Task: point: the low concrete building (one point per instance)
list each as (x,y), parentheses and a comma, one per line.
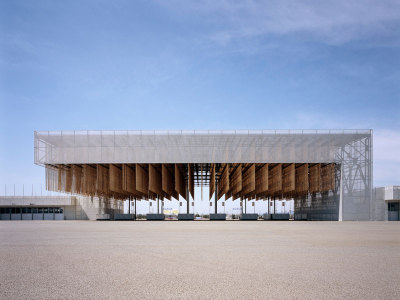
(387,203)
(56,207)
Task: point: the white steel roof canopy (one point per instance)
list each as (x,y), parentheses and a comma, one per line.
(199,146)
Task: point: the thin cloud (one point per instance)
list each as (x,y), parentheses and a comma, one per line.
(333,22)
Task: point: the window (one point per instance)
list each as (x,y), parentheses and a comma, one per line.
(26,210)
(58,210)
(40,210)
(34,210)
(393,206)
(45,210)
(16,210)
(51,210)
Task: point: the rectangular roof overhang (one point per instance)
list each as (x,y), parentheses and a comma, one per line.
(255,146)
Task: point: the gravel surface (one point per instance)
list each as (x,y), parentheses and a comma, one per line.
(201,259)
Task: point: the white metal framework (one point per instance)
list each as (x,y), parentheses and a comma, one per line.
(351,150)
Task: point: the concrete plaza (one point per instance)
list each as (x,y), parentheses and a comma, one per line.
(201,259)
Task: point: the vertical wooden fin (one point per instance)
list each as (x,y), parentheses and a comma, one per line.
(89,180)
(103,185)
(142,180)
(275,180)
(191,180)
(223,183)
(168,181)
(315,178)
(328,178)
(115,175)
(288,179)
(68,183)
(302,179)
(76,179)
(180,185)
(129,180)
(236,182)
(155,182)
(212,180)
(262,180)
(249,180)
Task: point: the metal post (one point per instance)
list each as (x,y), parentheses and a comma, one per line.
(187,199)
(187,192)
(201,172)
(216,196)
(135,207)
(268,204)
(245,205)
(129,202)
(158,205)
(274,205)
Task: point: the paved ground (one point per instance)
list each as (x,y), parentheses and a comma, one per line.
(87,259)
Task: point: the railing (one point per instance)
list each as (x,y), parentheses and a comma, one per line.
(204,132)
(27,190)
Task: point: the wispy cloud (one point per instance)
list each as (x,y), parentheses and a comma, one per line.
(333,22)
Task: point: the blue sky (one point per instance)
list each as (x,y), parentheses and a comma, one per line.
(197,65)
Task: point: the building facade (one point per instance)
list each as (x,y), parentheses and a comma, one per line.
(55,207)
(387,203)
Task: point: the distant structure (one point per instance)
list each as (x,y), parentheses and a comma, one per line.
(55,207)
(328,173)
(387,203)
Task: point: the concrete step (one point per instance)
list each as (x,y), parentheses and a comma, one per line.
(249,217)
(280,217)
(267,217)
(155,217)
(217,217)
(124,217)
(186,217)
(103,217)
